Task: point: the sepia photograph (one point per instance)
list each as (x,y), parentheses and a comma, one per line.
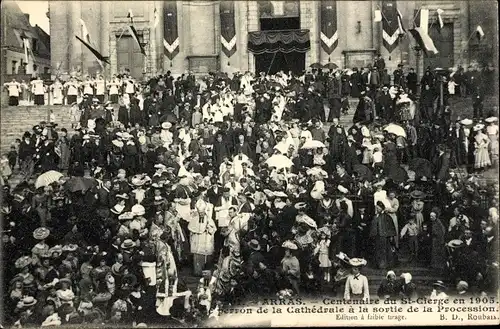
(324,163)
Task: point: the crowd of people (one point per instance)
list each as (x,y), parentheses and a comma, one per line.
(236,181)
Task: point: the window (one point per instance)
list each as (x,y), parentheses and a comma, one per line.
(14,67)
(46,70)
(35,68)
(34,46)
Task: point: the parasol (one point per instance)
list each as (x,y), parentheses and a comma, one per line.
(395,129)
(75,184)
(330,66)
(348,72)
(47,178)
(421,167)
(315,66)
(316,171)
(279,161)
(363,172)
(312,144)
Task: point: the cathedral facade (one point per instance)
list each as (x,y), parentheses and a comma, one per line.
(265,36)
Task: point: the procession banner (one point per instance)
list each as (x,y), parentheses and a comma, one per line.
(329,35)
(170,29)
(390,25)
(228,29)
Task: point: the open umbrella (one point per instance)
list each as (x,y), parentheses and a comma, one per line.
(330,66)
(315,66)
(75,184)
(421,167)
(312,144)
(48,178)
(279,161)
(398,174)
(395,129)
(363,172)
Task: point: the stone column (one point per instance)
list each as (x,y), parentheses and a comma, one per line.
(75,28)
(252,26)
(306,22)
(105,34)
(241,21)
(60,14)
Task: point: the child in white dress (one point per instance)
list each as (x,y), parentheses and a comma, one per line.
(322,249)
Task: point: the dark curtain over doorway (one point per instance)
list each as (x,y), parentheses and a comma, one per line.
(263,42)
(279,61)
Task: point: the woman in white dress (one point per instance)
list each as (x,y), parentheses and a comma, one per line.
(492,131)
(481,143)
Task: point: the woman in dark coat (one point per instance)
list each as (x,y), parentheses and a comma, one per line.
(219,151)
(356,84)
(130,157)
(136,114)
(438,232)
(383,231)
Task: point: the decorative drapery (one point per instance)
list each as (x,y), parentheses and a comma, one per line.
(262,42)
(170,29)
(228,29)
(390,25)
(328,35)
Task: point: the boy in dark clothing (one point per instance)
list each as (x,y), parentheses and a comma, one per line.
(12,156)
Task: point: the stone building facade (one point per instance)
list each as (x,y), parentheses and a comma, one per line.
(199,31)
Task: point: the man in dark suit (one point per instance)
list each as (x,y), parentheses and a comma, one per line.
(385,105)
(399,78)
(456,142)
(242,147)
(411,81)
(350,155)
(442,167)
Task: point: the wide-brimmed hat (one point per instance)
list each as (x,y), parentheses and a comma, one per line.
(127,244)
(23,261)
(126,216)
(28,301)
(166,125)
(66,280)
(456,243)
(300,205)
(466,122)
(325,230)
(416,194)
(478,127)
(70,247)
(357,262)
(280,194)
(57,248)
(138,210)
(41,233)
(254,245)
(491,119)
(117,209)
(289,245)
(122,196)
(439,284)
(307,220)
(137,180)
(342,189)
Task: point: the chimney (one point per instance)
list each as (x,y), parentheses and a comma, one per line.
(27,17)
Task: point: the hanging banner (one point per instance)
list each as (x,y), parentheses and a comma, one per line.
(170,29)
(228,29)
(390,25)
(329,35)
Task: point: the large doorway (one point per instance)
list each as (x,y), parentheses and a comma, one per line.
(280,61)
(129,56)
(443,40)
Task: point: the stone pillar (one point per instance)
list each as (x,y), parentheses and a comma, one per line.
(105,32)
(306,22)
(241,9)
(74,28)
(60,11)
(252,26)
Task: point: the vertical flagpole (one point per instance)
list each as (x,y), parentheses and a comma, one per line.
(81,55)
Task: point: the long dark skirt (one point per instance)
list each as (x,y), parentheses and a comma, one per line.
(39,100)
(13,101)
(383,252)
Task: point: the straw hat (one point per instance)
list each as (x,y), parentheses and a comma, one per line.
(307,220)
(456,243)
(138,210)
(342,189)
(127,244)
(137,180)
(280,194)
(325,230)
(357,262)
(466,122)
(491,119)
(289,245)
(254,245)
(439,284)
(41,233)
(300,206)
(57,248)
(23,261)
(478,127)
(417,194)
(166,125)
(126,216)
(117,209)
(28,301)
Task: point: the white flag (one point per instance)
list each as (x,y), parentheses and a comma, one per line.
(26,44)
(440,18)
(378,16)
(424,20)
(85,32)
(130,14)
